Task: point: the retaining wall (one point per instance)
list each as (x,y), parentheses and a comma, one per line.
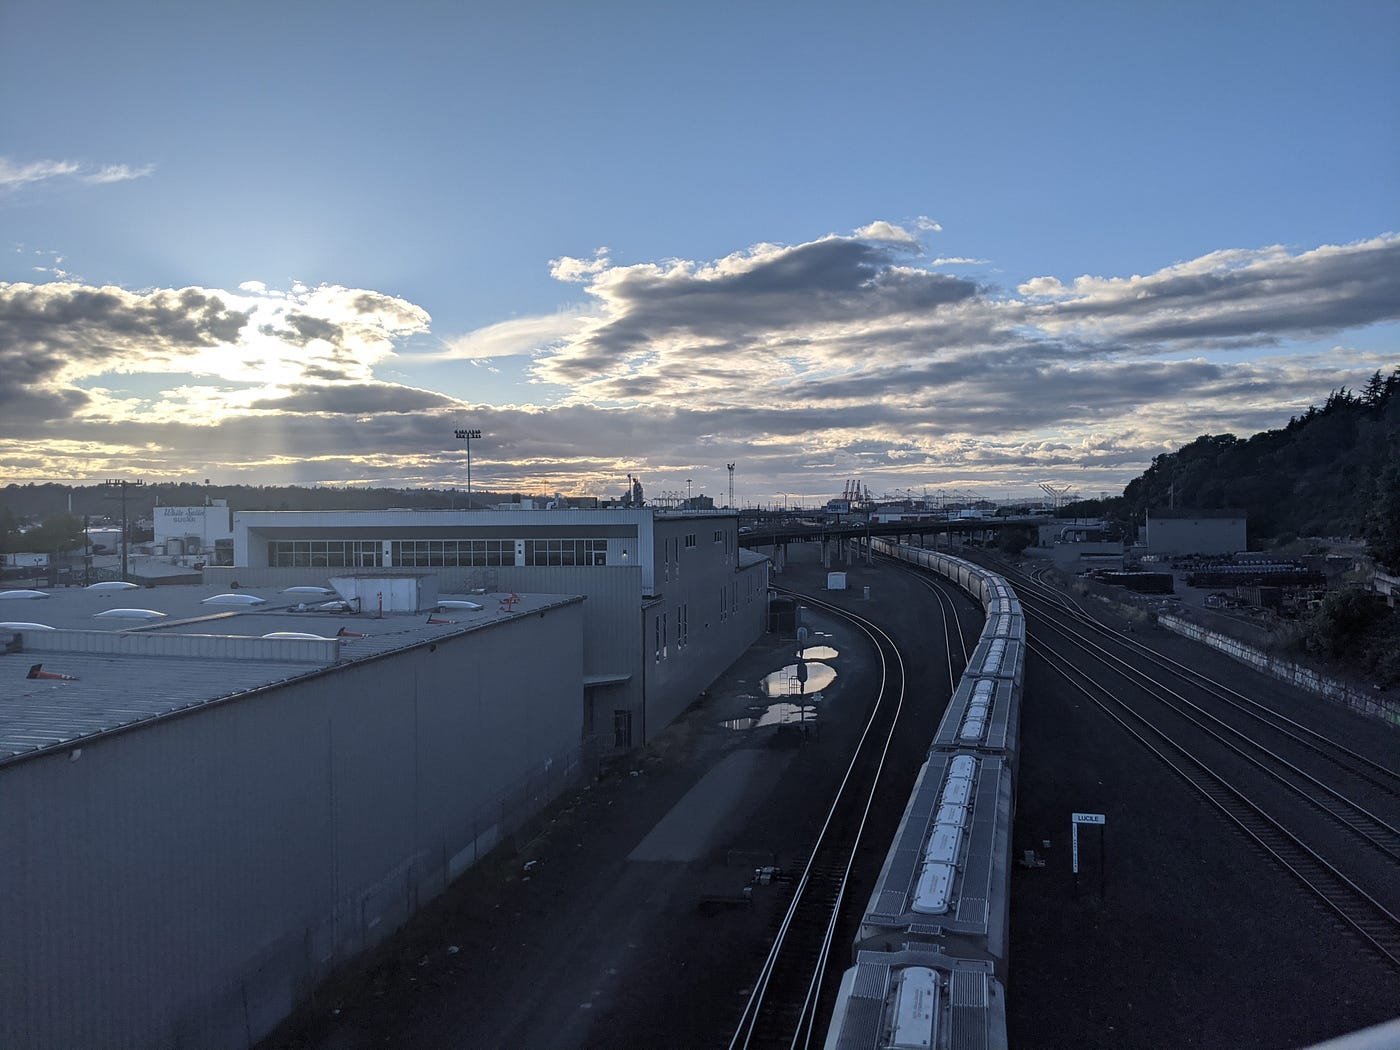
(1374,704)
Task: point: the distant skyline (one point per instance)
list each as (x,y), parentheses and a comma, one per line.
(929,246)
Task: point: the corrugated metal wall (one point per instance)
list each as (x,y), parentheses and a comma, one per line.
(185,883)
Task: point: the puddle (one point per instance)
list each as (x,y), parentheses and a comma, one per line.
(775,715)
(780,683)
(817,652)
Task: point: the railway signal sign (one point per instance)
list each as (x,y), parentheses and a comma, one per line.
(1077,819)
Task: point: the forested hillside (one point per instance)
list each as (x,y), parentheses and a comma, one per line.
(1333,471)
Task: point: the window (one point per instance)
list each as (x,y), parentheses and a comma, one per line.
(566,552)
(660,637)
(682,625)
(690,539)
(719,535)
(723,605)
(331,554)
(451,553)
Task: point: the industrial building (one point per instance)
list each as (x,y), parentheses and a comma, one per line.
(672,599)
(1178,531)
(208,801)
(206,531)
(210,796)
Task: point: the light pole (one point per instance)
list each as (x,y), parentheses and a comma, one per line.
(687,495)
(123,485)
(467,436)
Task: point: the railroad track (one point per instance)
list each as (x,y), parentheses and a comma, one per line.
(1372,829)
(1358,909)
(783,1007)
(1222,732)
(1039,598)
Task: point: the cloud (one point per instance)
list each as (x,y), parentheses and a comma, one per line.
(524,335)
(14,174)
(567,268)
(117,173)
(353,399)
(887,232)
(1250,297)
(48,330)
(781,312)
(53,336)
(845,356)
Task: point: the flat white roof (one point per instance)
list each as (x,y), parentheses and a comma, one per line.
(118,672)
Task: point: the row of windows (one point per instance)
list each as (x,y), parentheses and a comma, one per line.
(342,554)
(566,552)
(432,553)
(332,554)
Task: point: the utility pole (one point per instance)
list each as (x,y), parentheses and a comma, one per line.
(468,436)
(123,485)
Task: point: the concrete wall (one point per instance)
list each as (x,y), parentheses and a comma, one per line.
(1387,710)
(183,884)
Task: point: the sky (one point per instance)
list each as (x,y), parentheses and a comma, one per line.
(936,247)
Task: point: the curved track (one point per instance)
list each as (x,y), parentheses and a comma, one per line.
(783,1007)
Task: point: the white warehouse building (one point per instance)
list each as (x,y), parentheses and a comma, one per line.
(208,800)
(671,597)
(207,803)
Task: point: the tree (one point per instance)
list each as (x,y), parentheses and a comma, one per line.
(9,531)
(1013,541)
(60,533)
(1341,628)
(1383,521)
(1375,390)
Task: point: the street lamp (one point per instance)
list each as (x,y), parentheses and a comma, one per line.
(467,436)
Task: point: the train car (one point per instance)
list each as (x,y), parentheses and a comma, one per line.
(982,584)
(998,656)
(918,997)
(983,715)
(934,936)
(945,881)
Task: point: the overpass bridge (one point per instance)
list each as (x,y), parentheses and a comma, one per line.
(977,530)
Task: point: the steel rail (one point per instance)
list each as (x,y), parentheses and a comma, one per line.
(1358,765)
(1372,920)
(1356,818)
(826,873)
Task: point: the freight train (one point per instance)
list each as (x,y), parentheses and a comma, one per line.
(931,951)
